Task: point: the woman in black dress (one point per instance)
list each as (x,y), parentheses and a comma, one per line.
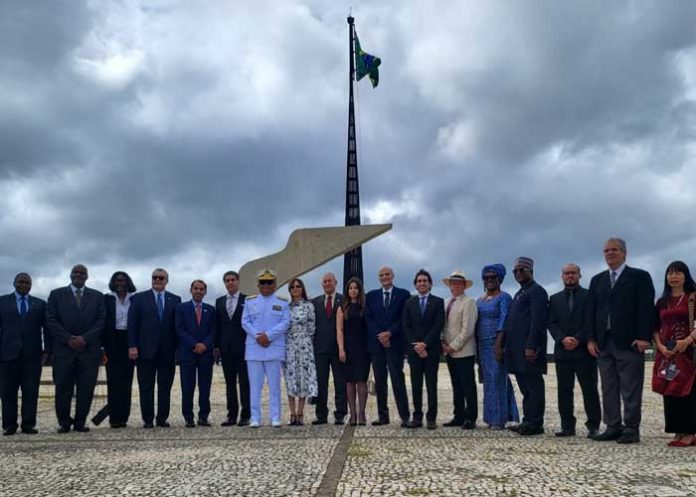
(351,335)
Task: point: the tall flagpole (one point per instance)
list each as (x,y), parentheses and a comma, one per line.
(352,262)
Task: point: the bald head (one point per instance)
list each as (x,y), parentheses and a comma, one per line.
(386,277)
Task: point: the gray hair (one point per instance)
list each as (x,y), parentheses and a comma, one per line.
(620,241)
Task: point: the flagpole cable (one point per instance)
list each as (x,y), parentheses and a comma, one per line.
(359,141)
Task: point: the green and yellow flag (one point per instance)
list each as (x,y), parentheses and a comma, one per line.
(366,64)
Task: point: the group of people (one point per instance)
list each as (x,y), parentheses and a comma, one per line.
(602,331)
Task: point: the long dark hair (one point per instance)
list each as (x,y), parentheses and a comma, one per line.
(304,291)
(130,287)
(689,283)
(361,296)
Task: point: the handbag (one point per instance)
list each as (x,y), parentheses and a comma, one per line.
(371,387)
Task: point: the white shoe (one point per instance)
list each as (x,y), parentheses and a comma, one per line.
(275,424)
(254,424)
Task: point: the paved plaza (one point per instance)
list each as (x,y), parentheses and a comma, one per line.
(339,460)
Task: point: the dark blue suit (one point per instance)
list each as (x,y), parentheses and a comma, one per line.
(155,340)
(20,358)
(190,332)
(391,358)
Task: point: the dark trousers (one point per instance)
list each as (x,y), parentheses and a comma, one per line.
(74,373)
(464,394)
(324,363)
(585,369)
(533,397)
(119,376)
(158,370)
(680,413)
(622,373)
(392,361)
(25,374)
(235,369)
(424,368)
(200,368)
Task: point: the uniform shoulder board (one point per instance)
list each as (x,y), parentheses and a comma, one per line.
(282,298)
(251,297)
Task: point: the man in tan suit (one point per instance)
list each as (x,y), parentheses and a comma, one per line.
(459,347)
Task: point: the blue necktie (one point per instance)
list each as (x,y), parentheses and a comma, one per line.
(23,307)
(423,301)
(160,306)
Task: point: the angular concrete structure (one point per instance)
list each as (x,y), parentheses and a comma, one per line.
(307,249)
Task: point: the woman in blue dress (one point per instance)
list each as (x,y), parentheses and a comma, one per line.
(499,405)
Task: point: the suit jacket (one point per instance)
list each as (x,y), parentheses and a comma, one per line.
(460,326)
(231,335)
(563,323)
(22,334)
(426,327)
(379,319)
(325,334)
(630,302)
(64,318)
(190,332)
(525,328)
(145,330)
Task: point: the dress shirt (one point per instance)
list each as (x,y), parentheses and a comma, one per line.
(231,303)
(618,271)
(19,302)
(164,297)
(122,311)
(74,290)
(333,298)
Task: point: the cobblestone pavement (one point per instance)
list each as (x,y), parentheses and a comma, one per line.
(292,461)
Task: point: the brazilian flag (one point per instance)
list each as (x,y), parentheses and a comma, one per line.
(366,64)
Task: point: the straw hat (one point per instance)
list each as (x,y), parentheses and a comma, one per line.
(458,275)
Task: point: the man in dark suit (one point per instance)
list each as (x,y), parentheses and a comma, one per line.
(230,347)
(22,353)
(524,336)
(619,315)
(386,344)
(423,321)
(196,327)
(152,343)
(75,317)
(566,325)
(326,353)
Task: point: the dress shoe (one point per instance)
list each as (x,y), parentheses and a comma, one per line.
(679,443)
(629,437)
(468,425)
(275,424)
(516,428)
(253,424)
(147,426)
(406,424)
(415,424)
(531,430)
(81,428)
(380,422)
(163,424)
(592,432)
(339,422)
(453,422)
(63,429)
(190,424)
(565,433)
(431,425)
(30,430)
(243,422)
(229,422)
(203,422)
(319,422)
(608,435)
(364,422)
(9,432)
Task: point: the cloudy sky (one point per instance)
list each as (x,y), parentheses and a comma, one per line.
(197,135)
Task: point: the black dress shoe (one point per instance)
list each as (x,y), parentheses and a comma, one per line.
(243,422)
(468,425)
(319,422)
(517,428)
(415,424)
(163,424)
(362,423)
(431,425)
(147,426)
(629,437)
(608,435)
(353,423)
(30,430)
(203,422)
(63,429)
(81,428)
(531,430)
(339,422)
(229,422)
(406,424)
(190,424)
(592,432)
(453,422)
(9,432)
(380,422)
(565,433)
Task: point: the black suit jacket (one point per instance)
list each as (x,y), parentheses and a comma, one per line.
(64,318)
(22,334)
(563,323)
(630,302)
(426,328)
(231,335)
(145,330)
(325,334)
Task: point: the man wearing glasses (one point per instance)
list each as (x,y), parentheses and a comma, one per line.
(524,338)
(265,319)
(152,343)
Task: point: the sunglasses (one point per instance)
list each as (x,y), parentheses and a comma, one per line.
(159,278)
(490,278)
(266,282)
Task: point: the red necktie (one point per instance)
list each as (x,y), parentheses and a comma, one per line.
(329,306)
(198,314)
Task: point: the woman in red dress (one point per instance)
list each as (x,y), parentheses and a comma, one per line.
(674,371)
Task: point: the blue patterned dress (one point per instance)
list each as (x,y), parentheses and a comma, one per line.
(300,370)
(499,405)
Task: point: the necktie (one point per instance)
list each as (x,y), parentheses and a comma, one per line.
(423,302)
(230,306)
(160,306)
(199,314)
(386,300)
(612,278)
(571,301)
(329,306)
(449,306)
(78,296)
(23,307)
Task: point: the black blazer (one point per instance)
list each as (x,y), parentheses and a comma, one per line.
(426,328)
(563,323)
(22,334)
(64,318)
(231,335)
(145,330)
(325,334)
(631,303)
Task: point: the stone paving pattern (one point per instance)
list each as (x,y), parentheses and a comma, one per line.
(291,461)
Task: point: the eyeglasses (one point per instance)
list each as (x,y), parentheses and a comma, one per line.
(159,278)
(490,278)
(266,282)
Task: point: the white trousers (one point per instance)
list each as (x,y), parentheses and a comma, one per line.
(258,372)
